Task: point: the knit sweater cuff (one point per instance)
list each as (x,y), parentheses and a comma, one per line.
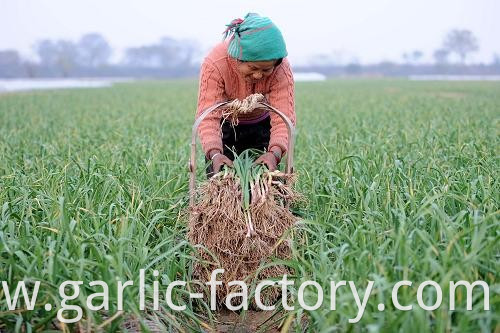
(279,142)
(208,146)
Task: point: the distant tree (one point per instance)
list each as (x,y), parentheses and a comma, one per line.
(407,57)
(151,56)
(59,54)
(177,53)
(496,59)
(10,64)
(168,53)
(68,55)
(93,50)
(441,56)
(30,68)
(413,57)
(353,68)
(194,49)
(461,42)
(47,52)
(9,57)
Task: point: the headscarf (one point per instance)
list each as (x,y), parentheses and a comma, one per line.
(255,38)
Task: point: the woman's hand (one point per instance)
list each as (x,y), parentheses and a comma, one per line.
(271,158)
(218,160)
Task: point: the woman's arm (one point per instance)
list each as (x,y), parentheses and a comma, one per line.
(282,97)
(211,91)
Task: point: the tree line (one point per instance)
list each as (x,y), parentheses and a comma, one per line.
(90,56)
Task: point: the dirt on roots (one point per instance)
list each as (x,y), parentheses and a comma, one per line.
(219,227)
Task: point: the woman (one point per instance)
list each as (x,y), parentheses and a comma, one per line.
(253,60)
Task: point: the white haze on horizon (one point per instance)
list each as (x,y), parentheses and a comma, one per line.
(356,31)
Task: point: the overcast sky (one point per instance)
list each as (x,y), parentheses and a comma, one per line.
(363,30)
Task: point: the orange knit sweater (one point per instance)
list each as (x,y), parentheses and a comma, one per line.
(220,81)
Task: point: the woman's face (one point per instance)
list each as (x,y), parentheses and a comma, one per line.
(255,71)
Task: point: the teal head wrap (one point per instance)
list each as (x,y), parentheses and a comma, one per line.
(255,38)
